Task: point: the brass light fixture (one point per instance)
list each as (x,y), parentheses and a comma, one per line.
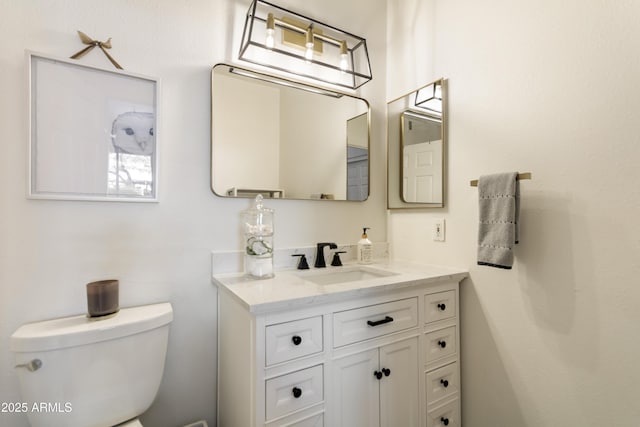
(286,41)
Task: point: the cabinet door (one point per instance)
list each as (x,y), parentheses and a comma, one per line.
(399,400)
(355,391)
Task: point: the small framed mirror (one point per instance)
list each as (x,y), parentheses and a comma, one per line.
(284,139)
(416,144)
(93,132)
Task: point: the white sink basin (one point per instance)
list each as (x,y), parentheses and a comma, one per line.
(345,275)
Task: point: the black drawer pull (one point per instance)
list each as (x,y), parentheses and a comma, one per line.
(297,392)
(386,371)
(387,319)
(296,339)
(444,421)
(444,383)
(442,307)
(377,374)
(442,344)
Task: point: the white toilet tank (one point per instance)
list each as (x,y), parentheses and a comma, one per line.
(80,372)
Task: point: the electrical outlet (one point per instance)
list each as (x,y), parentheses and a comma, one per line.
(438,230)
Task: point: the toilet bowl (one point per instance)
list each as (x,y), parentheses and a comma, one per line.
(81,372)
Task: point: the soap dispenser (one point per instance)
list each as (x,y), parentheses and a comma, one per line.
(365,248)
(258,240)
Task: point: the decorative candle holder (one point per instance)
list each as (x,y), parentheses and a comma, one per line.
(102,297)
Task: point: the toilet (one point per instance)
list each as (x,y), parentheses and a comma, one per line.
(82,372)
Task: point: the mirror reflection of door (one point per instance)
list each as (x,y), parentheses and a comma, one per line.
(422,158)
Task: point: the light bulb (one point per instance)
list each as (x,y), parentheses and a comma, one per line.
(308,53)
(344,62)
(344,59)
(270,40)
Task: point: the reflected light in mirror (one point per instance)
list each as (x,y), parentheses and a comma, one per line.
(430,98)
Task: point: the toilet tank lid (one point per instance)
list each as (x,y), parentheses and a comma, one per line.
(80,330)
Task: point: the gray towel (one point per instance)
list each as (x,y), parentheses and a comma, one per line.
(499,203)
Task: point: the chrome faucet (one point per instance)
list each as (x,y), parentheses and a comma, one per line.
(320,263)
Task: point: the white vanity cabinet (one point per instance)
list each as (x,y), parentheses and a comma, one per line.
(293,354)
(377,387)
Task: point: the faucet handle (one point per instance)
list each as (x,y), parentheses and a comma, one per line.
(302,263)
(337,262)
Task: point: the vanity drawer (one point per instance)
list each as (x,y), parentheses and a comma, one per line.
(315,420)
(294,391)
(439,306)
(442,382)
(359,324)
(290,340)
(445,415)
(440,343)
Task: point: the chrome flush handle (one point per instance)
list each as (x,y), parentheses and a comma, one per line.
(31,366)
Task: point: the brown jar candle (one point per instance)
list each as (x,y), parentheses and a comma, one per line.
(102,297)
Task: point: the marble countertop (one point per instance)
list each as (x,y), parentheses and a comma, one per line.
(290,289)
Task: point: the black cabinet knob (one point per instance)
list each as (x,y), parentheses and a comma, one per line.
(444,383)
(442,306)
(444,421)
(297,392)
(377,374)
(296,339)
(442,344)
(386,371)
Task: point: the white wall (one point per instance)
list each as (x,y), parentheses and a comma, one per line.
(246,145)
(550,88)
(314,157)
(50,249)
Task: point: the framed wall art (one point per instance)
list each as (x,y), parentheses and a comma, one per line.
(93,133)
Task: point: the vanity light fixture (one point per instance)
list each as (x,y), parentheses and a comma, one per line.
(430,98)
(277,38)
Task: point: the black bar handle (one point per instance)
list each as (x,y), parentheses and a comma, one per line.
(387,319)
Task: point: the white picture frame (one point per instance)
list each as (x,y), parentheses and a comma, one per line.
(93,132)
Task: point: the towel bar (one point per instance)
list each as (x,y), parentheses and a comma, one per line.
(521,176)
